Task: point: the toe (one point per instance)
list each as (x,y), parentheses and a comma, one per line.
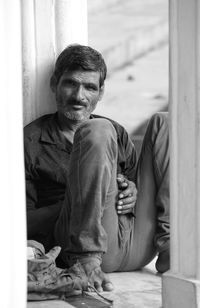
(108,286)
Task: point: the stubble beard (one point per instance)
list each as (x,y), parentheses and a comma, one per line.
(79,116)
(74,116)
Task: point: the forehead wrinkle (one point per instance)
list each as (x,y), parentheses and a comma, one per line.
(82,77)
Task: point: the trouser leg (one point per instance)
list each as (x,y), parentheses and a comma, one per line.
(88,221)
(151,229)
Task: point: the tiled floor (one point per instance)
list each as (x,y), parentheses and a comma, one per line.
(139,289)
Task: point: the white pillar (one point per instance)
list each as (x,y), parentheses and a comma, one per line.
(70,23)
(48,27)
(181,285)
(12,192)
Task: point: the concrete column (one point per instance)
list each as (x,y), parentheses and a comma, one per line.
(12,192)
(48,27)
(181,285)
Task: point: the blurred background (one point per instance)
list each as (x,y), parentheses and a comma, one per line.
(132,35)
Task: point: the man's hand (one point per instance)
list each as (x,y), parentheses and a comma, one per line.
(127,195)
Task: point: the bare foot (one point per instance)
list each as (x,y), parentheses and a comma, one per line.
(96,277)
(163,261)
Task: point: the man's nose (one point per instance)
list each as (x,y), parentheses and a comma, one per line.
(79,93)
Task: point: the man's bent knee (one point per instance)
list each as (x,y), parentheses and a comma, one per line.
(98,131)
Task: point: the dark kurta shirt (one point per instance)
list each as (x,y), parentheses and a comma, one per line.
(47,154)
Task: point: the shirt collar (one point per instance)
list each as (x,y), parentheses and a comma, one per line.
(50,131)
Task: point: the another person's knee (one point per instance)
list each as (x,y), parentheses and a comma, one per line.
(158,125)
(160,119)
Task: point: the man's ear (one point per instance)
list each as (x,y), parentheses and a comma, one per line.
(101,92)
(53,83)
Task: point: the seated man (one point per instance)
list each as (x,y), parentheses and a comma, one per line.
(81,172)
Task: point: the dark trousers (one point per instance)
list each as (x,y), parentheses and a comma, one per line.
(89,221)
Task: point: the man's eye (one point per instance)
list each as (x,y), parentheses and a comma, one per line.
(91,88)
(69,83)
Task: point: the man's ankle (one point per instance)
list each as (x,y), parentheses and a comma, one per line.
(84,258)
(91,263)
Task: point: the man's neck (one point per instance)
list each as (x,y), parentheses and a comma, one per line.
(68,127)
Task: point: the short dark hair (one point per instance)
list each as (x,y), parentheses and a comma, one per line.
(82,57)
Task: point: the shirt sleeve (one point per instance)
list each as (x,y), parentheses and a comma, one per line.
(130,156)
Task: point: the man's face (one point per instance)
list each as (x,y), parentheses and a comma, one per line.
(77,94)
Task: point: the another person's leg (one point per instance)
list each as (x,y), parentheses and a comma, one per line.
(151,229)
